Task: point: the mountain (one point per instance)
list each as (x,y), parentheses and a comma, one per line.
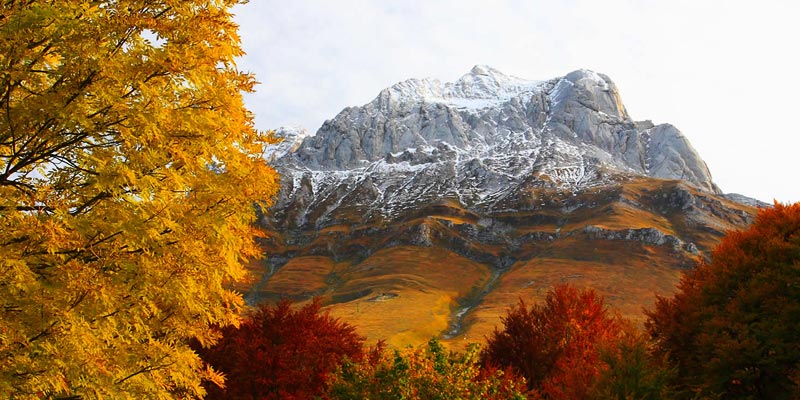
(432,208)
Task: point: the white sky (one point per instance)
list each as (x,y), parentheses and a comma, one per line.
(726,73)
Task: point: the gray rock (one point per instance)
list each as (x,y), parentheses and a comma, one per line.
(644,235)
(483,141)
(669,155)
(746,200)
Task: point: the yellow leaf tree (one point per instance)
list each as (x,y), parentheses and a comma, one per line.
(129,169)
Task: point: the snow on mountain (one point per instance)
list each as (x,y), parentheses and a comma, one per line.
(482,87)
(484,141)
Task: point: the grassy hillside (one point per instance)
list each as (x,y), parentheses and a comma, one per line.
(443,270)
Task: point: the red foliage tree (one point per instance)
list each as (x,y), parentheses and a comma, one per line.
(281,353)
(733,327)
(555,346)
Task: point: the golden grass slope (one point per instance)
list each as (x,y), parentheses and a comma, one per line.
(406,280)
(402,294)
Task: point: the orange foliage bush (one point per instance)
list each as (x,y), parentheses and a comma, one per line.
(556,346)
(733,327)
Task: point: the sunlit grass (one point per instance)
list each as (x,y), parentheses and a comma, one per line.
(301,276)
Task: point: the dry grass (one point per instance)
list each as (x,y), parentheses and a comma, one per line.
(412,318)
(627,287)
(402,294)
(300,277)
(622,216)
(454,219)
(427,283)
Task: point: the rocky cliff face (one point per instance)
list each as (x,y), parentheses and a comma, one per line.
(482,141)
(523,183)
(578,119)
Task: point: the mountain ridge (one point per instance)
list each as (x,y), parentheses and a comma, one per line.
(565,136)
(523,183)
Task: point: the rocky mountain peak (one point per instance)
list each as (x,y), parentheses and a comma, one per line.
(484,82)
(593,90)
(484,140)
(486,70)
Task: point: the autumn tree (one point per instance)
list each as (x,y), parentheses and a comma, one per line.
(128,173)
(429,372)
(281,353)
(628,371)
(556,345)
(733,327)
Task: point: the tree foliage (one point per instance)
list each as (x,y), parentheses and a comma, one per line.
(733,327)
(280,353)
(556,345)
(429,372)
(629,372)
(128,173)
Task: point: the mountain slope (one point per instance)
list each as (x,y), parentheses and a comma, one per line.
(443,202)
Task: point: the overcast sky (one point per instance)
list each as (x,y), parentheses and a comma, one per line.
(726,73)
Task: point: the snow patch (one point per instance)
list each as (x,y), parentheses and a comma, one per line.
(483,87)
